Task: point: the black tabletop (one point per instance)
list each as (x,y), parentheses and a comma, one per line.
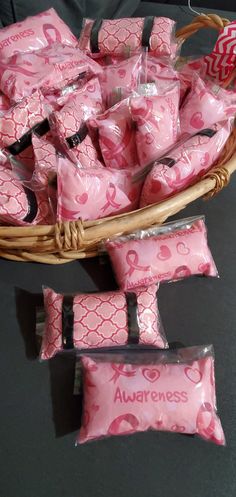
(40,415)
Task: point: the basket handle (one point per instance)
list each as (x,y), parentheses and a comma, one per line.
(206,21)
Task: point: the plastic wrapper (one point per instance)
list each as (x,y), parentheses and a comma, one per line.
(50,69)
(116,36)
(45,161)
(69,124)
(156,71)
(94,193)
(95,320)
(205,105)
(123,76)
(35,32)
(187,72)
(20,205)
(170,252)
(163,390)
(156,119)
(185,164)
(116,136)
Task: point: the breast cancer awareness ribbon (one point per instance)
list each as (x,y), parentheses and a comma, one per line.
(121,370)
(132,261)
(110,196)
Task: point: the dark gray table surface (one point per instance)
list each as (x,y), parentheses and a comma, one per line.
(40,415)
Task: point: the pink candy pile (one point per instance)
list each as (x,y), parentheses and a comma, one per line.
(101,113)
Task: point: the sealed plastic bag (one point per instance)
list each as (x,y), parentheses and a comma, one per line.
(92,193)
(155,71)
(94,320)
(176,250)
(123,77)
(185,164)
(205,105)
(161,390)
(20,205)
(116,136)
(50,69)
(69,123)
(116,36)
(45,160)
(156,119)
(35,32)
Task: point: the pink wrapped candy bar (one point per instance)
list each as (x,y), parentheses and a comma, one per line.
(161,390)
(205,105)
(170,252)
(117,36)
(20,205)
(94,192)
(69,124)
(185,164)
(156,118)
(122,77)
(50,69)
(93,320)
(116,136)
(35,32)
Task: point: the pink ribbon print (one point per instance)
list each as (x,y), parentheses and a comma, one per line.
(132,261)
(110,196)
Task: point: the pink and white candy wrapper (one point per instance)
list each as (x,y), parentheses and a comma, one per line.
(67,122)
(116,36)
(35,32)
(164,390)
(116,136)
(205,105)
(185,164)
(101,320)
(93,193)
(50,69)
(19,205)
(156,119)
(174,251)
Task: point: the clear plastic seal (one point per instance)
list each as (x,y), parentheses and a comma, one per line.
(171,390)
(185,164)
(98,320)
(35,32)
(106,37)
(174,251)
(49,69)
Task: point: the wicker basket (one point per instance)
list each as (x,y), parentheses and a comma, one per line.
(65,242)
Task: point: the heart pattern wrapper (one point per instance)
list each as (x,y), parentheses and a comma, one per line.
(101,320)
(49,69)
(116,136)
(67,122)
(205,105)
(35,32)
(185,164)
(148,258)
(94,193)
(116,36)
(19,205)
(156,119)
(125,398)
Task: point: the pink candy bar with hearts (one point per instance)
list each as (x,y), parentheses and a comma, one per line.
(50,69)
(101,320)
(123,76)
(156,118)
(94,192)
(45,160)
(173,251)
(116,136)
(20,206)
(164,390)
(205,105)
(35,32)
(70,120)
(117,36)
(185,164)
